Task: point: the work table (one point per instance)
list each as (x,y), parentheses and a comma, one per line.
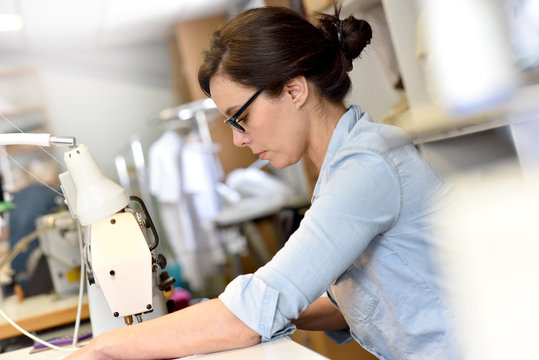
(283,348)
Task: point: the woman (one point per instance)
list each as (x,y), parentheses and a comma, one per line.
(366,239)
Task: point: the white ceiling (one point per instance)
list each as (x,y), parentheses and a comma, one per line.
(98,23)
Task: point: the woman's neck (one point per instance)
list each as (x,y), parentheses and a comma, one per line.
(324,122)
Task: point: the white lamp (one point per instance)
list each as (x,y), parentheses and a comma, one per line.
(97,197)
(120,260)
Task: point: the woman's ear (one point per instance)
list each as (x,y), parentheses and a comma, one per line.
(297,89)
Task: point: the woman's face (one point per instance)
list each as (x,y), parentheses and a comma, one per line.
(274,128)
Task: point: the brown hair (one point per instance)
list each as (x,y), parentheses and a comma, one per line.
(266,47)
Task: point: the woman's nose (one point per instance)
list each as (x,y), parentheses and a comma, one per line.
(240,139)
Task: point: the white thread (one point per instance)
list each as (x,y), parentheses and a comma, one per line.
(22,167)
(29,173)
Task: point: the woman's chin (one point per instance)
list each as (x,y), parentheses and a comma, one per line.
(280,164)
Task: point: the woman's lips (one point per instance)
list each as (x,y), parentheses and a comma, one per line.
(261,155)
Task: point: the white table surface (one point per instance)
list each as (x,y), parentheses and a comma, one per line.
(283,348)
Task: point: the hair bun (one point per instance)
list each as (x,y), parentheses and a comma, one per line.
(352,35)
(356,35)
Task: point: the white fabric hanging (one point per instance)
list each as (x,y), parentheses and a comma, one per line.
(183,176)
(165,158)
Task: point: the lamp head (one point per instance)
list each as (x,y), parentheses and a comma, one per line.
(97,197)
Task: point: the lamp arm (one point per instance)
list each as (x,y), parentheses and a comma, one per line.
(36,139)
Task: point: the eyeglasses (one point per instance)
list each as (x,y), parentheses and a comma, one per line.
(233,120)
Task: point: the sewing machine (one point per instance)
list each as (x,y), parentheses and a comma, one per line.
(59,242)
(122,268)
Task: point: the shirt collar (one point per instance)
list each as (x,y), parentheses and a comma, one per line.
(346,123)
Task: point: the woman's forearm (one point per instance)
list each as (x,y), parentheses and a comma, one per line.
(321,315)
(202,328)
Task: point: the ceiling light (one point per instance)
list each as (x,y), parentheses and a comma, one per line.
(10,22)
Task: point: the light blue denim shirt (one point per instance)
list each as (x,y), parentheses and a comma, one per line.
(367,240)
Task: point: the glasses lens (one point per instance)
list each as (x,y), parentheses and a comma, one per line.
(234,125)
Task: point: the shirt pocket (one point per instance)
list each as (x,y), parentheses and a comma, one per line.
(356,302)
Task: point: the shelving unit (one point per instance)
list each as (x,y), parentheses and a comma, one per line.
(430,123)
(425,119)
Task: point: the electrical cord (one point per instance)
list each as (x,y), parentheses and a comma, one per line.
(32,336)
(22,244)
(81,288)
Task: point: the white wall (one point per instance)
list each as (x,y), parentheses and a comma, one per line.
(372,86)
(103,114)
(103,97)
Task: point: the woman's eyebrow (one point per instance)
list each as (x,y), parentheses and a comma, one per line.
(231,110)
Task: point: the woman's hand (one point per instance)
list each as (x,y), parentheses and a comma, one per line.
(91,351)
(84,353)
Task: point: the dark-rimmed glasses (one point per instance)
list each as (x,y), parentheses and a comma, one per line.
(233,120)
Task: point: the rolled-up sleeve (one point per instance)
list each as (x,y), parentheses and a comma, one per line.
(255,303)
